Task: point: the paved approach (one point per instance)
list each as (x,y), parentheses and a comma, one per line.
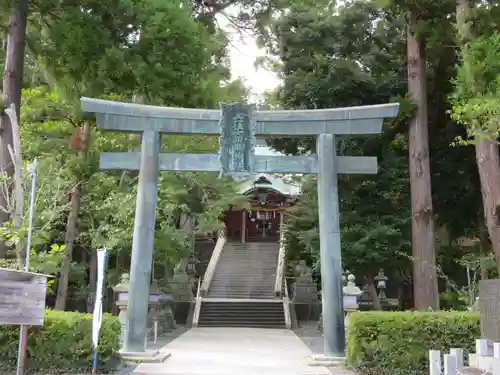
(236,351)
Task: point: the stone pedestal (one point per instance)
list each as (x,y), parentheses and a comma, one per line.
(166,315)
(148,356)
(305,299)
(122,303)
(182,286)
(305,289)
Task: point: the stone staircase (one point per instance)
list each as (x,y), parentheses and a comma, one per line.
(241,293)
(245,271)
(242,314)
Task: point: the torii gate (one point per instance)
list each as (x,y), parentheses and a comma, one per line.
(237,125)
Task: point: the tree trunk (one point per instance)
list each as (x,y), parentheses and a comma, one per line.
(487,155)
(92,280)
(17,215)
(71,232)
(423,237)
(484,248)
(403,294)
(12,86)
(488,160)
(373,292)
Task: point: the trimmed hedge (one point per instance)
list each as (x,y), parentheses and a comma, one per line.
(63,344)
(397,343)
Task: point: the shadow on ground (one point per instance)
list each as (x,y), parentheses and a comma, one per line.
(309,334)
(160,343)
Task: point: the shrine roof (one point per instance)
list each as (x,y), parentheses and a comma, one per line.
(274,182)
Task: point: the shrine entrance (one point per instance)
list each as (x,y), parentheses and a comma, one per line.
(238,126)
(263,221)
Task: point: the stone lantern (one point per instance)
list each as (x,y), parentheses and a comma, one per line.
(351,295)
(381,280)
(191,265)
(122,290)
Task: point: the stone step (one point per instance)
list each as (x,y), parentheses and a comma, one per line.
(245,259)
(241,290)
(230,295)
(230,279)
(243,296)
(242,283)
(473,371)
(256,263)
(242,314)
(245,277)
(237,284)
(233,295)
(223,292)
(247,267)
(242,324)
(233,279)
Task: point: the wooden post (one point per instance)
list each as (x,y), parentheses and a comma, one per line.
(243,226)
(282,222)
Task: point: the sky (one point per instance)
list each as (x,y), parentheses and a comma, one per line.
(243,52)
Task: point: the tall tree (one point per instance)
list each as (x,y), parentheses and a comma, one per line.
(424,20)
(97,49)
(423,237)
(11,89)
(358,56)
(476,105)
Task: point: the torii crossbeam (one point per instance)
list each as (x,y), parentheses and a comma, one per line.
(238,125)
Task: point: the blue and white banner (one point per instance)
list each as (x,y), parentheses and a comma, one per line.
(97,317)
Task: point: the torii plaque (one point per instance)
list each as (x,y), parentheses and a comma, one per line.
(238,125)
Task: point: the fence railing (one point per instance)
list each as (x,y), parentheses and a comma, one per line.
(280,268)
(209,273)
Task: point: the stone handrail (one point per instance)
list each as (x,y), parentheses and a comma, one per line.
(209,273)
(286,306)
(197,306)
(280,269)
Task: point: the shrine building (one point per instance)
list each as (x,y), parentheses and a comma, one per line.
(269,196)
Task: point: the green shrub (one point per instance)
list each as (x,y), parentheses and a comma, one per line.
(398,343)
(63,344)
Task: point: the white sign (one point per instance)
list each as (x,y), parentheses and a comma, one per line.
(97,317)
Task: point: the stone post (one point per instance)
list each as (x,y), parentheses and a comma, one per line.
(329,235)
(143,243)
(122,290)
(154,304)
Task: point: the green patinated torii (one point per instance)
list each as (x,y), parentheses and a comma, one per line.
(237,125)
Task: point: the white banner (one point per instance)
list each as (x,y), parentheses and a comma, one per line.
(97,318)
